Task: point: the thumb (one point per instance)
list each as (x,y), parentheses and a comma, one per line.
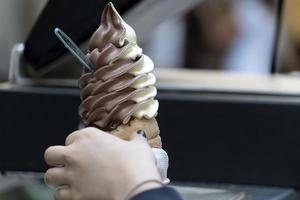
(140,135)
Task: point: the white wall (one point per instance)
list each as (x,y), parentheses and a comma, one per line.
(16,19)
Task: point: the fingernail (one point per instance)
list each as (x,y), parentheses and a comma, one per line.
(142,133)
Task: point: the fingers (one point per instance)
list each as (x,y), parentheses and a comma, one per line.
(54,156)
(56,176)
(81,134)
(72,137)
(62,193)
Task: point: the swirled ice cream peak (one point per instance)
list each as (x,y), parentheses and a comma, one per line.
(122,86)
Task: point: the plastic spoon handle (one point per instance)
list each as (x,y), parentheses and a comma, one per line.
(74,49)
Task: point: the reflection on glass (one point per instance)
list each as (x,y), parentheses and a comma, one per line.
(235,35)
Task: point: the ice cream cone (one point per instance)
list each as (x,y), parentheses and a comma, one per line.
(118,96)
(149,126)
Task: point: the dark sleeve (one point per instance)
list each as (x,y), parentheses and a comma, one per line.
(164,193)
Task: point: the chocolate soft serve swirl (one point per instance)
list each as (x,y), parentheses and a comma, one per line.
(122,86)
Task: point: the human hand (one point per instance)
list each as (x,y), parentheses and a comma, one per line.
(98,165)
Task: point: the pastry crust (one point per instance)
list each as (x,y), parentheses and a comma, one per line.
(150,127)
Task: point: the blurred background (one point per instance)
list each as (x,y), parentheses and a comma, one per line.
(229,35)
(235,35)
(16,20)
(222,35)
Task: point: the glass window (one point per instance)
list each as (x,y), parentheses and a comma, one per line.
(232,35)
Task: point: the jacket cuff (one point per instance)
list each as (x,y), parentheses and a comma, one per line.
(163,193)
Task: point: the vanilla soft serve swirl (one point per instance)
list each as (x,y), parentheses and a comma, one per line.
(122,86)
